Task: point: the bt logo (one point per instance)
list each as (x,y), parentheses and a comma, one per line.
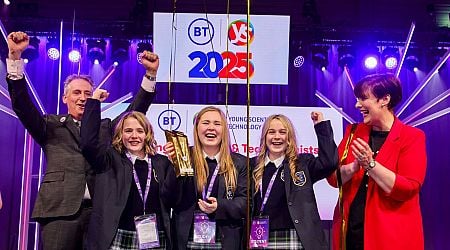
(169,120)
(237,32)
(201,31)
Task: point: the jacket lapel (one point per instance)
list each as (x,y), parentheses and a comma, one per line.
(69,123)
(389,146)
(287,177)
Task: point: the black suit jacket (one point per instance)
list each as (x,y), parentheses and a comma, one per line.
(67,171)
(113,181)
(230,213)
(301,200)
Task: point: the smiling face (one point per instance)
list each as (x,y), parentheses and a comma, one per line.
(276,139)
(133,137)
(210,130)
(78,91)
(372,109)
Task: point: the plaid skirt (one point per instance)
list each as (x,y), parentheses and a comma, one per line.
(193,245)
(283,239)
(127,240)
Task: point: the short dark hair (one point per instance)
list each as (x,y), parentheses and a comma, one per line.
(380,85)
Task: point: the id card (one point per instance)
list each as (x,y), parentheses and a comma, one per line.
(204,229)
(259,233)
(147,231)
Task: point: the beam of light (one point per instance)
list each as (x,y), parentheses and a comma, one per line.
(117,102)
(25,192)
(33,91)
(36,228)
(8,111)
(425,81)
(408,42)
(430,117)
(349,78)
(108,74)
(333,106)
(427,106)
(58,98)
(4,92)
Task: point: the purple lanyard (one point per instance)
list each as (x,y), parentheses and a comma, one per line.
(138,184)
(269,189)
(211,183)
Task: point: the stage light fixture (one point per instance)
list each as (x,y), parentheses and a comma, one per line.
(371,59)
(6,2)
(96,50)
(298,61)
(412,59)
(120,52)
(346,56)
(320,57)
(74,56)
(52,49)
(32,51)
(390,57)
(141,47)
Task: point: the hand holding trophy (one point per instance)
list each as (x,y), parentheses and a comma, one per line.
(181,158)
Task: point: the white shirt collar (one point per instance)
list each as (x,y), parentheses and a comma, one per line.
(216,157)
(135,157)
(277,161)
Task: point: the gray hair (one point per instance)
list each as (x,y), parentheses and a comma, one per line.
(72,77)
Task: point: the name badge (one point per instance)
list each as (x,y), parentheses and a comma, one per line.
(147,231)
(259,233)
(204,229)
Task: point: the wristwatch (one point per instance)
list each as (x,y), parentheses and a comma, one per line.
(372,164)
(151,78)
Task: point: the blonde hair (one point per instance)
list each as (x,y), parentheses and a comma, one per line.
(149,142)
(226,164)
(290,153)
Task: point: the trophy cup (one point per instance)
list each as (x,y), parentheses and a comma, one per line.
(182,158)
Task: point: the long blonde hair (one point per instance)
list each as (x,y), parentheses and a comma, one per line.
(290,153)
(226,162)
(149,142)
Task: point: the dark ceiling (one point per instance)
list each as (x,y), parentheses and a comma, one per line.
(334,19)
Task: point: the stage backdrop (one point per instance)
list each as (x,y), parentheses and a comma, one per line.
(180,117)
(210,48)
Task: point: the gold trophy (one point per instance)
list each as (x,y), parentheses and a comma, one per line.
(182,158)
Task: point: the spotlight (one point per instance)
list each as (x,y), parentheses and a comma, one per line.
(6,2)
(390,57)
(74,51)
(320,57)
(120,52)
(52,49)
(412,59)
(141,47)
(74,56)
(298,61)
(32,51)
(371,58)
(346,56)
(96,50)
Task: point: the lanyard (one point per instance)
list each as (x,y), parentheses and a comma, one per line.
(138,184)
(269,189)
(211,183)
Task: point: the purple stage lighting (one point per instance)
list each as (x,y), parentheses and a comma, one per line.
(53,53)
(298,61)
(370,62)
(74,56)
(391,62)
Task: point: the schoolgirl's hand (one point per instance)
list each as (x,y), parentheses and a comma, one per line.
(209,206)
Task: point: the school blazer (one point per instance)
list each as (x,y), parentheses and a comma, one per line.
(301,199)
(113,181)
(230,213)
(67,171)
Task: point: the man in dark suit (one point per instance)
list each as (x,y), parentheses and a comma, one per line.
(63,204)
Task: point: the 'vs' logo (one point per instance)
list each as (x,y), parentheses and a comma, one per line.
(237,32)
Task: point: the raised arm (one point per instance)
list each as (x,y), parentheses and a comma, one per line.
(327,160)
(21,102)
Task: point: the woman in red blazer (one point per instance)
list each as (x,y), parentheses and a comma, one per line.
(382,169)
